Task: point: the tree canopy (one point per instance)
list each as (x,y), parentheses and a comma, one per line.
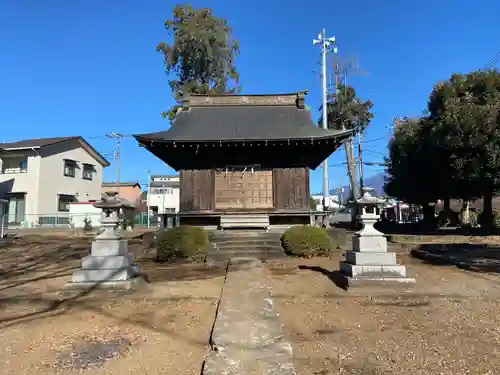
(201,56)
(454,150)
(346,111)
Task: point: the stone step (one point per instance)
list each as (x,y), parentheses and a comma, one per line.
(251,233)
(248,241)
(244,248)
(246,245)
(244,221)
(226,255)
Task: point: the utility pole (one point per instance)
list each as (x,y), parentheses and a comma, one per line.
(360,163)
(347,145)
(325,44)
(147,196)
(118,137)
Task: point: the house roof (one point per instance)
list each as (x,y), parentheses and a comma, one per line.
(44,142)
(205,118)
(124,184)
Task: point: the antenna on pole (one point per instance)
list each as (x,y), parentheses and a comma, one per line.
(326,46)
(118,138)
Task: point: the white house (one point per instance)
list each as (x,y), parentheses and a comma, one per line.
(41,177)
(332,201)
(163,194)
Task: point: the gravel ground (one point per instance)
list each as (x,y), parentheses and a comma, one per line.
(162,328)
(448,323)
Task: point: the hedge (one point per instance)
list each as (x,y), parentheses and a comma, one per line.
(306,241)
(183,243)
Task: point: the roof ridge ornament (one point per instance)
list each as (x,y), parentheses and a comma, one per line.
(284,99)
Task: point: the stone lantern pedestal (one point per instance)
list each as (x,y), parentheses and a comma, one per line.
(109,265)
(369,262)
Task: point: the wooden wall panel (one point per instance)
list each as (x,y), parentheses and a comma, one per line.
(197,190)
(291,188)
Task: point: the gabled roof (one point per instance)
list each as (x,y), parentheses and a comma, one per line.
(205,118)
(38,143)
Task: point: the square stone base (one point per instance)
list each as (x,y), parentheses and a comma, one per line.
(129,284)
(380,281)
(372,270)
(370,258)
(371,274)
(103,275)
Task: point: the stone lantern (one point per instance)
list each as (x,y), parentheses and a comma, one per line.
(369,261)
(109,265)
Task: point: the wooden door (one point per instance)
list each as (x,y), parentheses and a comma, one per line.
(243,189)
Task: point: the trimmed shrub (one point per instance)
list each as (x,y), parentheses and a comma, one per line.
(87,224)
(306,241)
(182,244)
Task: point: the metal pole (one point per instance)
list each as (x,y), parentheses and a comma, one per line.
(147,197)
(118,137)
(325,44)
(325,113)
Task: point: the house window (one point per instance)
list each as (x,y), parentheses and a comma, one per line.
(69,168)
(15,165)
(23,165)
(88,172)
(64,201)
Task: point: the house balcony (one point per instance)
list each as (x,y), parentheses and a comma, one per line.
(13,170)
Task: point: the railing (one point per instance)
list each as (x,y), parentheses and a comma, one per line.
(13,170)
(37,220)
(66,220)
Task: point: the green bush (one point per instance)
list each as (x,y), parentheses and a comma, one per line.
(87,224)
(183,243)
(473,219)
(306,241)
(496,219)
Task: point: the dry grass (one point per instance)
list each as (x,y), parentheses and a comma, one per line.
(162,328)
(448,323)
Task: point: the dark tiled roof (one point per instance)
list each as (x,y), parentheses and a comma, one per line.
(38,142)
(42,142)
(234,123)
(225,120)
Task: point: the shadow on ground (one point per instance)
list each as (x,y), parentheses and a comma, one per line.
(334,276)
(470,257)
(24,265)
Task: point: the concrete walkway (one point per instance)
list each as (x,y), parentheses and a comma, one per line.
(248,337)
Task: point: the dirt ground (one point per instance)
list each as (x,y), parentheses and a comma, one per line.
(162,328)
(448,323)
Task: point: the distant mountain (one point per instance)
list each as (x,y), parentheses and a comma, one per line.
(375,181)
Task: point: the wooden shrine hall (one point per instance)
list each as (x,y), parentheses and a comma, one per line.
(243,160)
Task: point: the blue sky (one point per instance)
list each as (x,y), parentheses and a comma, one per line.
(90,67)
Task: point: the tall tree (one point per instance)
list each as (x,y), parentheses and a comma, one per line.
(466,111)
(410,165)
(202,54)
(346,110)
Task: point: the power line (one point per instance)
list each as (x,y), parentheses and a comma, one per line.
(374,140)
(492,61)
